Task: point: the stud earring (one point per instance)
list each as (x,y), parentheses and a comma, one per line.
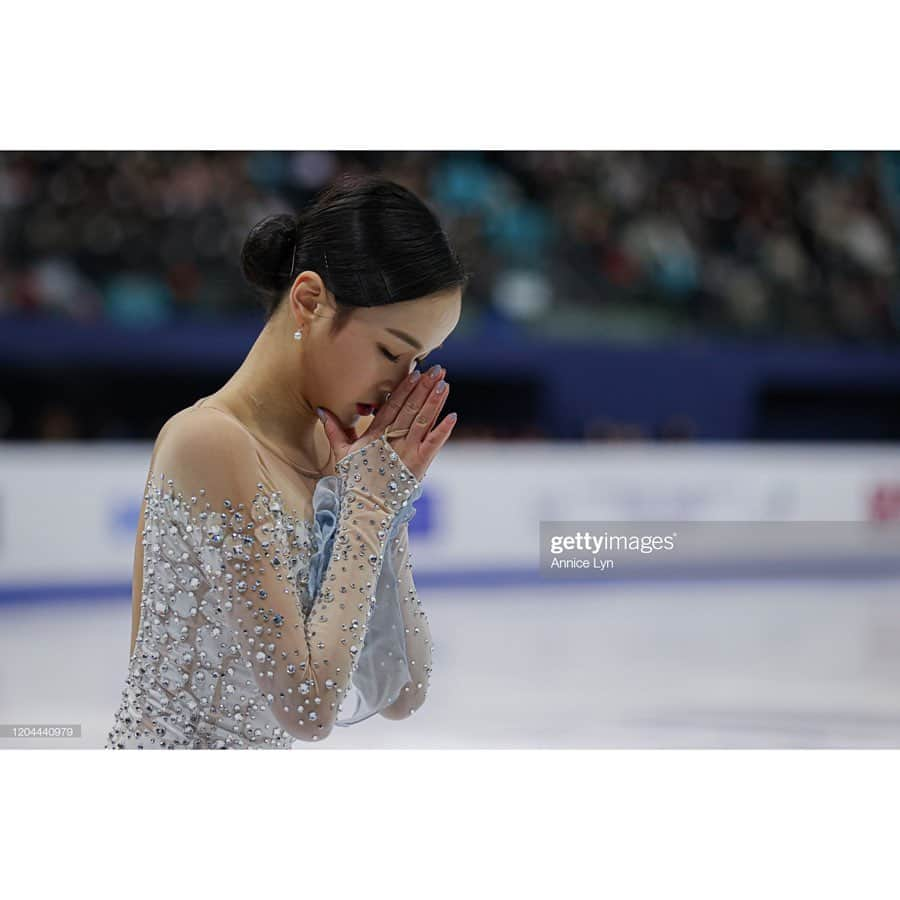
(298,334)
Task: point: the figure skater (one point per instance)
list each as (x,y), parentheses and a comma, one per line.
(273,595)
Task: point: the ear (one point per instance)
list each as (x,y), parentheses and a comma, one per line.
(307,292)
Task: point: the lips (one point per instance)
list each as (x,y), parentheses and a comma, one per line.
(366,409)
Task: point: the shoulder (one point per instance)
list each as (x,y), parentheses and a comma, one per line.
(202,436)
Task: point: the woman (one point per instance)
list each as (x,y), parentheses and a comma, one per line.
(273,594)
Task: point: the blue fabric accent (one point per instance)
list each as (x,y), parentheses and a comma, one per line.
(382,667)
(326,510)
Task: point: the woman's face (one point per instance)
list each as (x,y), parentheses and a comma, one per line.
(377,347)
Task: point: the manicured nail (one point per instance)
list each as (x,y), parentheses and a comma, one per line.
(320,412)
(452,417)
(440,387)
(432,372)
(415,376)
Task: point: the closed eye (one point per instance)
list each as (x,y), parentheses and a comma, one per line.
(393,358)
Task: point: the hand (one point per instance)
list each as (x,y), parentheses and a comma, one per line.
(412,405)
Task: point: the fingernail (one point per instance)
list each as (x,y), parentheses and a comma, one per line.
(452,417)
(415,376)
(320,412)
(440,386)
(432,372)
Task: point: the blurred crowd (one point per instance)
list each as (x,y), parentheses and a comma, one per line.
(621,245)
(56,421)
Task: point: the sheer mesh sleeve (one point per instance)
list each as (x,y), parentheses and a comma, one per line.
(302,653)
(417,645)
(385,670)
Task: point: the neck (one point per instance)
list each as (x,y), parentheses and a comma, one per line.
(266,394)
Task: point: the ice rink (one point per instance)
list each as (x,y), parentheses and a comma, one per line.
(727,664)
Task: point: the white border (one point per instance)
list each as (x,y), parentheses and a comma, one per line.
(463,75)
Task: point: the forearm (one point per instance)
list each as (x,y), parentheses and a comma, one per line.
(340,613)
(417,635)
(304,657)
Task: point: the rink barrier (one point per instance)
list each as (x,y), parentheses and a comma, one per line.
(69,512)
(850,570)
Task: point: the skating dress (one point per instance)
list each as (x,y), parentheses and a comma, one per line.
(274,605)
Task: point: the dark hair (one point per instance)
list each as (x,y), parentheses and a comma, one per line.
(371,240)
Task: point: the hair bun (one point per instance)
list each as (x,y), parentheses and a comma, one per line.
(268,251)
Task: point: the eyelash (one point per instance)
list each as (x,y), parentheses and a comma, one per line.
(396,358)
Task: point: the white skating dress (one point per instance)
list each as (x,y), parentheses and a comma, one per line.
(273,605)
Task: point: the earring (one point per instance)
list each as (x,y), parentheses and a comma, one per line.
(298,334)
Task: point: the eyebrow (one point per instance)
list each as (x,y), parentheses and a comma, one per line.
(409,339)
